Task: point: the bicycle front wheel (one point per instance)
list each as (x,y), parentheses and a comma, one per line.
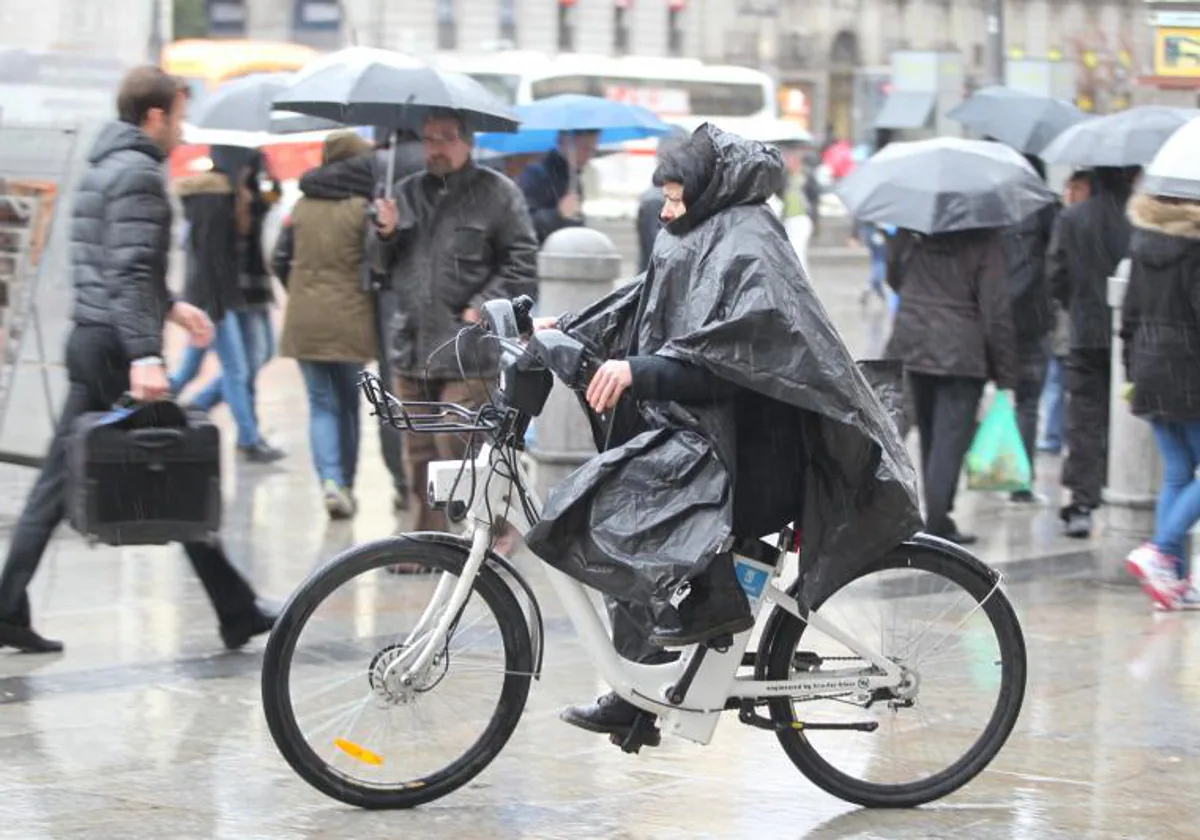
(336,701)
(945,621)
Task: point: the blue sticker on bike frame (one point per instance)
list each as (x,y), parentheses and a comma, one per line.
(753,580)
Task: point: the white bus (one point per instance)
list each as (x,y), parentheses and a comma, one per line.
(683,92)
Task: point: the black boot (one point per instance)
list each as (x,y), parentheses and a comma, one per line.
(26,639)
(1077,521)
(609,715)
(714,604)
(237,634)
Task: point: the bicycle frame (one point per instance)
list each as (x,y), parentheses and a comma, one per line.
(646,686)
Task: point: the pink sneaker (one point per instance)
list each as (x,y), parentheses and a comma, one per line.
(1157,574)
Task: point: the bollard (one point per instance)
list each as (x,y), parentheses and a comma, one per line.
(1134,465)
(576,267)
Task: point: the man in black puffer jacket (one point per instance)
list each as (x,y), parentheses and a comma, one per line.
(120,236)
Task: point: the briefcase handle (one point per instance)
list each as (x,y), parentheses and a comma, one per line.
(156,438)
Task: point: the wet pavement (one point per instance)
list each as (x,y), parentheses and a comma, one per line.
(144,728)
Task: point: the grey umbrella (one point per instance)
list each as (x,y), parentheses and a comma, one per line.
(1126,138)
(945,184)
(366,86)
(1025,121)
(246,104)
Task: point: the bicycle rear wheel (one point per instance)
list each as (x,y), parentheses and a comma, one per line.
(331,687)
(968,667)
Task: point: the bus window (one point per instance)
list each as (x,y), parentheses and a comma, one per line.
(665,97)
(503,87)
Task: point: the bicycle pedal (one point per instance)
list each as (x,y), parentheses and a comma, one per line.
(643,733)
(722,643)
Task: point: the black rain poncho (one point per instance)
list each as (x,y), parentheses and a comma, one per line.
(726,291)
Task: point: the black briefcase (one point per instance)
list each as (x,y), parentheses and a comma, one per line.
(144,475)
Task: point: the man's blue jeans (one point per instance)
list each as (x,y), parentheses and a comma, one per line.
(333,428)
(1052,406)
(1179,499)
(227,342)
(258,338)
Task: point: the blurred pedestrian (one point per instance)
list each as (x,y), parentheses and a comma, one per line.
(120,239)
(218,221)
(329,324)
(455,236)
(649,220)
(953,331)
(253,309)
(1091,240)
(1160,327)
(1025,248)
(1077,188)
(552,185)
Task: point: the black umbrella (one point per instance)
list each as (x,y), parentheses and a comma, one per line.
(366,86)
(945,184)
(1025,121)
(1126,138)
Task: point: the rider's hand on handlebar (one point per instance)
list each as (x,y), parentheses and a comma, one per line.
(540,324)
(610,382)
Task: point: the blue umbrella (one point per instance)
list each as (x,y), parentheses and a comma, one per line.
(542,121)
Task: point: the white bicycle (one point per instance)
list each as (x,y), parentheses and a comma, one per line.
(390,690)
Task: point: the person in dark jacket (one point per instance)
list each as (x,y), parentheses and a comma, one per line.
(1091,239)
(1025,248)
(454,236)
(649,215)
(252,308)
(1160,328)
(954,332)
(329,324)
(120,239)
(551,187)
(217,221)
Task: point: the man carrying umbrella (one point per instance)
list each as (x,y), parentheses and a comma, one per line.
(551,186)
(453,237)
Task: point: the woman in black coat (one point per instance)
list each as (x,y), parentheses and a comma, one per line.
(1160,326)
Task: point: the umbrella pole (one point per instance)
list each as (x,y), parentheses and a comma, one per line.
(393,139)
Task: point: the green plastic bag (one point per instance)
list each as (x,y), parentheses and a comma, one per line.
(997,459)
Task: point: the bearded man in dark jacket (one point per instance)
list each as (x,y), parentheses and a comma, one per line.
(120,238)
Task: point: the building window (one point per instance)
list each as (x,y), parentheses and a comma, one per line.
(675,26)
(226,17)
(621,27)
(508,22)
(566,25)
(447,31)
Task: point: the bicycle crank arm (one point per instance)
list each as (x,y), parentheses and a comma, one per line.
(748,716)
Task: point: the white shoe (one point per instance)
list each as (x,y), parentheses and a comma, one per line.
(1189,599)
(1157,574)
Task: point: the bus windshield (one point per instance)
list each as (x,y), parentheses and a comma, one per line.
(500,85)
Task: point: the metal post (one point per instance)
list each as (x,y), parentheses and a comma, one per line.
(995,31)
(577,266)
(1134,465)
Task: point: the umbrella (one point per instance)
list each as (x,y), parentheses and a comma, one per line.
(1025,121)
(945,184)
(247,103)
(1175,170)
(1126,138)
(542,121)
(366,86)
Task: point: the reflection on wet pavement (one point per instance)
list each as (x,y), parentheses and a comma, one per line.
(144,729)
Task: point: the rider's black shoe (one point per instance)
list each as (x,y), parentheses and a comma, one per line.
(609,715)
(714,604)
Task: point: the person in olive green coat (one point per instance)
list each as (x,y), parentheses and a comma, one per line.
(329,322)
